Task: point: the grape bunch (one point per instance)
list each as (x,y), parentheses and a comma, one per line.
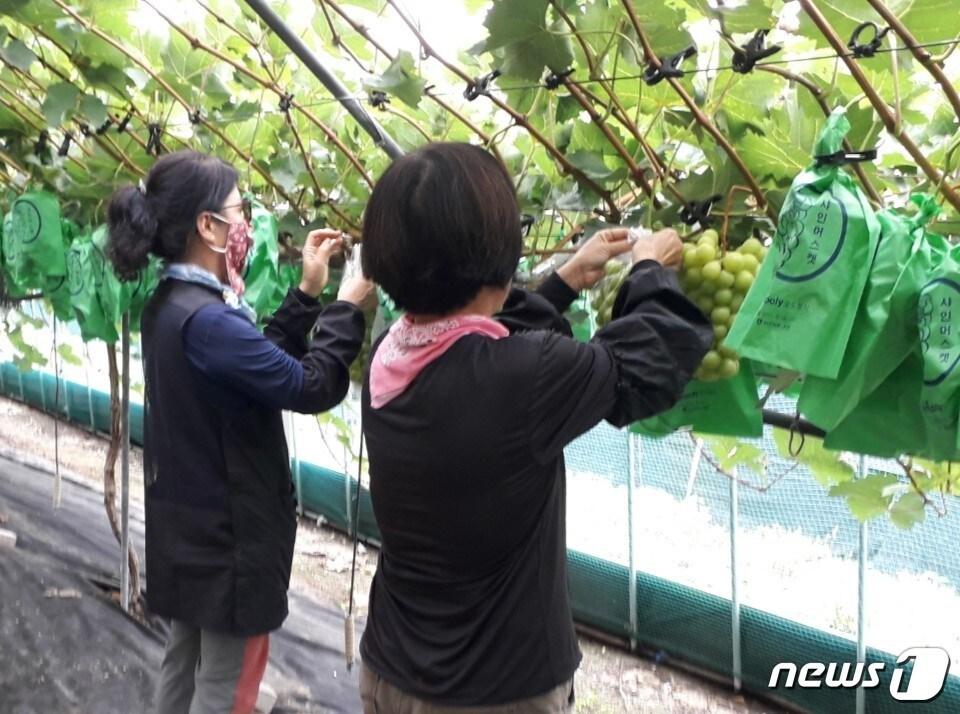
(605,292)
(717,281)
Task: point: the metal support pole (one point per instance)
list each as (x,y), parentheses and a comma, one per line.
(348,492)
(86,374)
(734,583)
(23,395)
(298,480)
(861,584)
(125,466)
(340,93)
(694,467)
(635,461)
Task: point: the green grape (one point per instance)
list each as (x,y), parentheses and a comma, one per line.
(705,253)
(705,303)
(723,296)
(733,262)
(736,303)
(720,315)
(750,263)
(726,279)
(694,276)
(709,236)
(743,281)
(726,351)
(712,270)
(719,332)
(752,246)
(711,361)
(729,368)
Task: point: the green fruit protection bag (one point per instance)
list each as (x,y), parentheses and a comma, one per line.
(57,289)
(95,292)
(889,421)
(135,293)
(727,407)
(578,315)
(884,330)
(33,245)
(938,323)
(799,312)
(265,290)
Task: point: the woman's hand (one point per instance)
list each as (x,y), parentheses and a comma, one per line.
(663,246)
(360,291)
(317,249)
(585,268)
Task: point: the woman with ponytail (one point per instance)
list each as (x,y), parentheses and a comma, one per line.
(220,507)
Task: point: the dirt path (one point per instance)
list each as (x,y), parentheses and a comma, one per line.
(610,681)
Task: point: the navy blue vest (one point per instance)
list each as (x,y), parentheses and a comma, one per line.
(220,508)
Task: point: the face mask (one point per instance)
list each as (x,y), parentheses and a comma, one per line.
(237,252)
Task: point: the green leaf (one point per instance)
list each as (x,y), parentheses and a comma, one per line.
(771,155)
(401,80)
(93,109)
(826,466)
(730,453)
(18,54)
(908,510)
(520,28)
(867,497)
(68,355)
(593,166)
(61,98)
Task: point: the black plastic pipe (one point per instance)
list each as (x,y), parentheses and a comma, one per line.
(340,93)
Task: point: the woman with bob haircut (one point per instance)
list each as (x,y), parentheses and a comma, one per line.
(468,403)
(219,501)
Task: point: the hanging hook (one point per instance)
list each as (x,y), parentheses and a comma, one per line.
(480,85)
(669,67)
(745,58)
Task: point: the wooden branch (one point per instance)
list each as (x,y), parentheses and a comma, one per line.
(145,66)
(518,118)
(883,111)
(363,32)
(702,119)
(920,53)
(332,137)
(825,108)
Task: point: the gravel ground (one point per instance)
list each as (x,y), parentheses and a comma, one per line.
(610,680)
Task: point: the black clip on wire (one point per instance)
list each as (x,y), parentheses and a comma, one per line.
(195,116)
(745,58)
(286,101)
(153,142)
(694,212)
(102,129)
(65,146)
(868,49)
(842,158)
(480,85)
(122,126)
(85,128)
(526,223)
(554,80)
(669,67)
(379,100)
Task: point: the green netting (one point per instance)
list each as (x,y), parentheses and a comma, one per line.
(796,555)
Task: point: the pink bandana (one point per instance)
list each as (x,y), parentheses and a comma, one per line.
(409,347)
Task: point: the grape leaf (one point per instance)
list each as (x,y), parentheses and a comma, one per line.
(61,98)
(401,80)
(520,28)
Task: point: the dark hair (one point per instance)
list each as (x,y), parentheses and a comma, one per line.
(442,222)
(162,218)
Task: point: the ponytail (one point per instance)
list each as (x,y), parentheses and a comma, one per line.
(133,231)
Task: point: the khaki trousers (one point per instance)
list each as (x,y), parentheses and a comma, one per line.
(381,697)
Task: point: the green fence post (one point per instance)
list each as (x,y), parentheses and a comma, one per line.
(635,461)
(861,583)
(734,584)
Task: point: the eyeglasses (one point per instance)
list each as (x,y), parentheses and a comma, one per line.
(246,205)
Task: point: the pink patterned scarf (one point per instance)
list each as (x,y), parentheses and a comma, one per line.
(409,347)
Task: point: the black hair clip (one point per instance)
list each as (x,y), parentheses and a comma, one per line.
(379,100)
(102,129)
(841,158)
(555,79)
(286,101)
(694,212)
(526,223)
(154,145)
(122,126)
(669,67)
(480,85)
(745,58)
(868,49)
(65,146)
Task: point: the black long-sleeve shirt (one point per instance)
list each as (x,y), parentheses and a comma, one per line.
(469,604)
